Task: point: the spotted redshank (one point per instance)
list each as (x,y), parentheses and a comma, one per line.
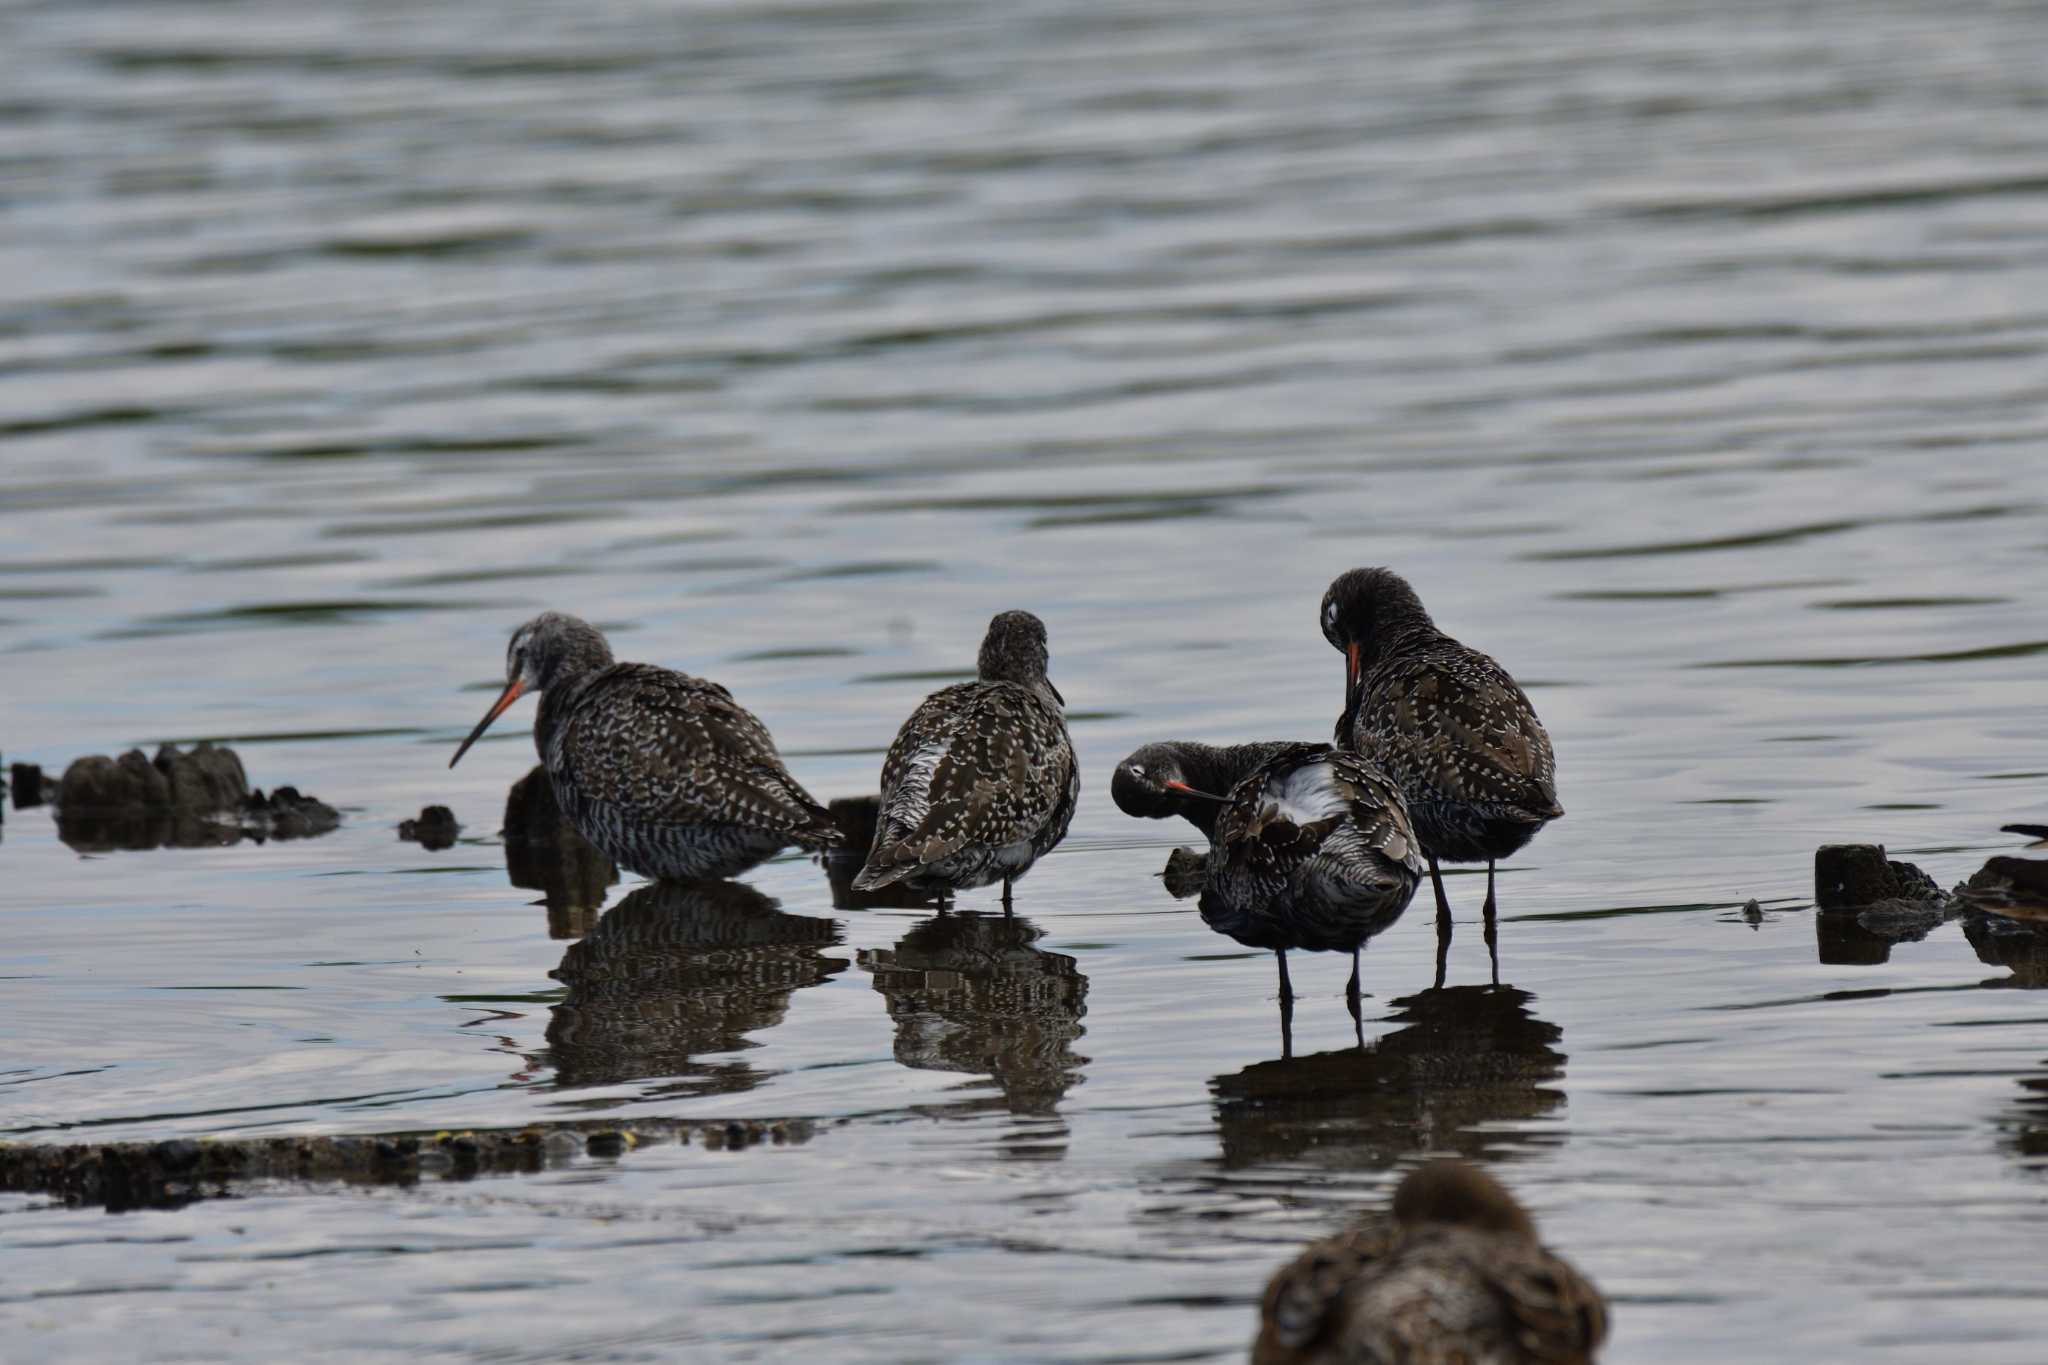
(664,772)
(981,780)
(1444,721)
(1455,1273)
(1309,847)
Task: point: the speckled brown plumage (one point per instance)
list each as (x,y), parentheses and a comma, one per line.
(981,780)
(664,772)
(1454,1276)
(1446,722)
(1312,850)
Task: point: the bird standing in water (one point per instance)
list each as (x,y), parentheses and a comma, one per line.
(665,773)
(981,780)
(1456,1276)
(1309,845)
(1446,722)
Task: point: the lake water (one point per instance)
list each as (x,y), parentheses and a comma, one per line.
(1691,358)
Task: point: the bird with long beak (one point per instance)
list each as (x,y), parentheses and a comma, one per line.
(1309,845)
(1446,722)
(664,772)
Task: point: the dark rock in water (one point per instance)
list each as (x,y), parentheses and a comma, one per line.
(2038,833)
(206,780)
(1187,872)
(1852,876)
(544,853)
(856,817)
(135,1175)
(185,798)
(288,814)
(2008,886)
(99,783)
(26,780)
(434,829)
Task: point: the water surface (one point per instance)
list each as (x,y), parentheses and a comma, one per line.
(1682,355)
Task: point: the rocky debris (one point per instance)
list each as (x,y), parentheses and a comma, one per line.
(856,817)
(544,853)
(184,798)
(1753,913)
(25,780)
(1186,873)
(433,829)
(1857,876)
(134,1175)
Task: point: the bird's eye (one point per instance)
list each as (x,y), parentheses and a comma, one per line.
(1137,770)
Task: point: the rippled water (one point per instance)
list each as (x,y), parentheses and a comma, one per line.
(1688,357)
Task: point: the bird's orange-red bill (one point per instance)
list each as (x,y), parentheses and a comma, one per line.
(505,699)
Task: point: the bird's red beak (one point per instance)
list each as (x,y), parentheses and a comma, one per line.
(1191,791)
(1352,675)
(505,699)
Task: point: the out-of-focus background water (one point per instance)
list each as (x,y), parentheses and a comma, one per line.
(1690,357)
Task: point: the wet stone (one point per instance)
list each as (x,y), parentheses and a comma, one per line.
(25,780)
(606,1144)
(1186,873)
(434,828)
(1853,876)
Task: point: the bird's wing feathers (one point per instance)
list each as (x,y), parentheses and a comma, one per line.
(673,749)
(976,763)
(1454,723)
(1300,1312)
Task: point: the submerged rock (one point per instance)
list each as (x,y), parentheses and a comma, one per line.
(134,1175)
(856,817)
(1854,876)
(433,829)
(544,853)
(182,798)
(25,780)
(1187,872)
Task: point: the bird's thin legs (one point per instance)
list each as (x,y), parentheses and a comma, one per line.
(1006,898)
(1286,1006)
(1286,985)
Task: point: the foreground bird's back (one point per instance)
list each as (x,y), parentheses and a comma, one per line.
(665,748)
(1381,1294)
(1450,721)
(978,764)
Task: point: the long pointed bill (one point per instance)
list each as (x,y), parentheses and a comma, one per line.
(505,699)
(1353,678)
(1185,790)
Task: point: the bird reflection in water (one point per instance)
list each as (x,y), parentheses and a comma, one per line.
(970,993)
(678,971)
(544,853)
(1463,1058)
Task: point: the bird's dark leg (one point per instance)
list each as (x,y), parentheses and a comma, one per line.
(1286,986)
(1492,928)
(1006,898)
(1286,1007)
(1443,920)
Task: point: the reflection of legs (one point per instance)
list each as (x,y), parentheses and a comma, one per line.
(1351,997)
(1492,929)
